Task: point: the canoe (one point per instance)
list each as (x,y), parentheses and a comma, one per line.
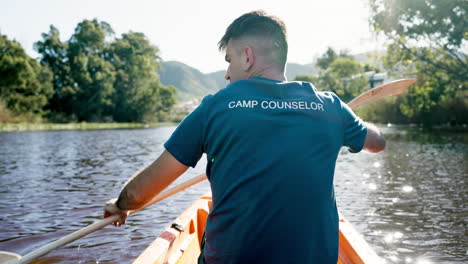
(180,242)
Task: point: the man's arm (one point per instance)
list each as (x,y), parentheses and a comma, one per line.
(144,185)
(375,141)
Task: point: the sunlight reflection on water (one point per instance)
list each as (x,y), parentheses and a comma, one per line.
(412,196)
(407,188)
(408,202)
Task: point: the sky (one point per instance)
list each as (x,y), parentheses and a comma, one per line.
(188,31)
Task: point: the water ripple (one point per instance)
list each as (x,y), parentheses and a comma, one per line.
(408,202)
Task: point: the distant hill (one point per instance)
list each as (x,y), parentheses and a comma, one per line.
(191,83)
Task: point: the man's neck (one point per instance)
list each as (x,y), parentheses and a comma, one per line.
(269,73)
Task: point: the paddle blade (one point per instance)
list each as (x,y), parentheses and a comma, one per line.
(389,89)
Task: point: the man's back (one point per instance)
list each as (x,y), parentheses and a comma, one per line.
(271,148)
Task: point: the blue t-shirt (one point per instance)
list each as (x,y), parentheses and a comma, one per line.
(271,148)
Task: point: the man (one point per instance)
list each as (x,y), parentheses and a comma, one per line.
(271,147)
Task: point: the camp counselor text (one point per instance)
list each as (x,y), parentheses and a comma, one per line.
(293,105)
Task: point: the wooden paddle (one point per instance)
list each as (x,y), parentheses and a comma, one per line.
(7,256)
(393,88)
(388,89)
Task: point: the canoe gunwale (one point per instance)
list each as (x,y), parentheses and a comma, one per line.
(180,247)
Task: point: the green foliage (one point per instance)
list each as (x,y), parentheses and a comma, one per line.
(451,112)
(139,93)
(54,55)
(428,39)
(307,78)
(441,22)
(28,126)
(93,76)
(340,74)
(90,77)
(345,77)
(6,116)
(83,79)
(166,94)
(96,79)
(324,61)
(25,85)
(385,110)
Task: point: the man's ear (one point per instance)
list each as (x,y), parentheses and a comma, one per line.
(248,58)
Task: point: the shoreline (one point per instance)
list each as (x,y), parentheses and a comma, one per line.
(29,127)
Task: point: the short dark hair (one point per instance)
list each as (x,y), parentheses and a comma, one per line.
(259,24)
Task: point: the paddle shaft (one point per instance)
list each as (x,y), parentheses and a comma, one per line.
(104,222)
(67,239)
(393,88)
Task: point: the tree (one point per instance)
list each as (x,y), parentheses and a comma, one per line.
(54,56)
(92,74)
(166,102)
(139,95)
(437,22)
(83,79)
(324,61)
(345,77)
(97,77)
(25,85)
(339,73)
(427,38)
(307,78)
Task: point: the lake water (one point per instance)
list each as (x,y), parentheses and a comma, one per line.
(408,202)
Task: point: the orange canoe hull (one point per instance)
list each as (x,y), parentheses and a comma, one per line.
(174,246)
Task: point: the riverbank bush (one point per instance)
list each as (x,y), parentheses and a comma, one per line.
(9,117)
(6,116)
(450,113)
(20,127)
(93,77)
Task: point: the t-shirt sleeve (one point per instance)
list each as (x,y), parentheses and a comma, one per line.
(186,144)
(354,129)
